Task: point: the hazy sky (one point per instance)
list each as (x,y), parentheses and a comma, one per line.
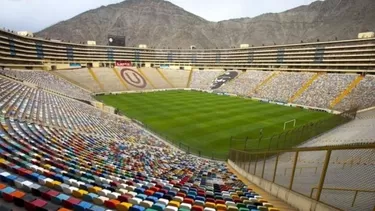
(34,15)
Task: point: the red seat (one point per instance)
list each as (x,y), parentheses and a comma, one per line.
(197,208)
(49,194)
(69,203)
(220,201)
(188,201)
(38,203)
(149,192)
(156,189)
(112,203)
(181,194)
(124,198)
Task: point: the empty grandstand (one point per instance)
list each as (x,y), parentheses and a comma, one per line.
(97,128)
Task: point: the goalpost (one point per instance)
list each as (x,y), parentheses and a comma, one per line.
(294,121)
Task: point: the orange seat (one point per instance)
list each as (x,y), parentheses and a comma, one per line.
(17,194)
(64,209)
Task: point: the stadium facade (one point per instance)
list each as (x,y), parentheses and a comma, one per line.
(58,152)
(355,55)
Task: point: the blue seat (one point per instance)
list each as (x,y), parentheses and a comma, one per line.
(59,198)
(34,177)
(90,197)
(7,190)
(95,208)
(141,196)
(10,179)
(158,195)
(152,198)
(82,206)
(139,190)
(136,208)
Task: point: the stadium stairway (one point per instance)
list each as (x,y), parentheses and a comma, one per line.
(109,81)
(347,91)
(304,87)
(96,78)
(120,79)
(165,78)
(157,79)
(275,73)
(178,78)
(145,76)
(190,77)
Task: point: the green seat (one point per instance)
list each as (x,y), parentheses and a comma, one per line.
(241,205)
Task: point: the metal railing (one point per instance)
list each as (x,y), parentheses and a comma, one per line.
(323,173)
(356,191)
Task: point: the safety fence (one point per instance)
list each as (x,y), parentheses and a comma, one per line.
(341,176)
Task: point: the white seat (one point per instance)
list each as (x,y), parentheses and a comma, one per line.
(170,208)
(135,201)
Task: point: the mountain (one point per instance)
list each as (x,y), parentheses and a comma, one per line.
(161,24)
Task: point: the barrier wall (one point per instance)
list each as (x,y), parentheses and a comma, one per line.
(307,178)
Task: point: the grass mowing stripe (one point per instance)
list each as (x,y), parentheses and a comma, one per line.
(207,121)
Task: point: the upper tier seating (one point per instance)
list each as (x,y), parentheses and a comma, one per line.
(202,79)
(245,83)
(363,95)
(320,93)
(325,89)
(283,86)
(48,81)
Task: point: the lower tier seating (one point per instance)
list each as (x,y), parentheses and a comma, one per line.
(58,163)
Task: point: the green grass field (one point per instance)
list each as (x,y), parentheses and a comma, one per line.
(207,121)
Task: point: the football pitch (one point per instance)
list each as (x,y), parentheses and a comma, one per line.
(207,121)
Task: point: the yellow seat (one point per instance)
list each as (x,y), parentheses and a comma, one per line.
(123,206)
(49,183)
(56,184)
(221,207)
(79,193)
(210,204)
(46,166)
(174,203)
(94,189)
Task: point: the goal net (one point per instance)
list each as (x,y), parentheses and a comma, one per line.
(290,124)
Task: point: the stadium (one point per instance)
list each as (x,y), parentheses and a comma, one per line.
(89,127)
